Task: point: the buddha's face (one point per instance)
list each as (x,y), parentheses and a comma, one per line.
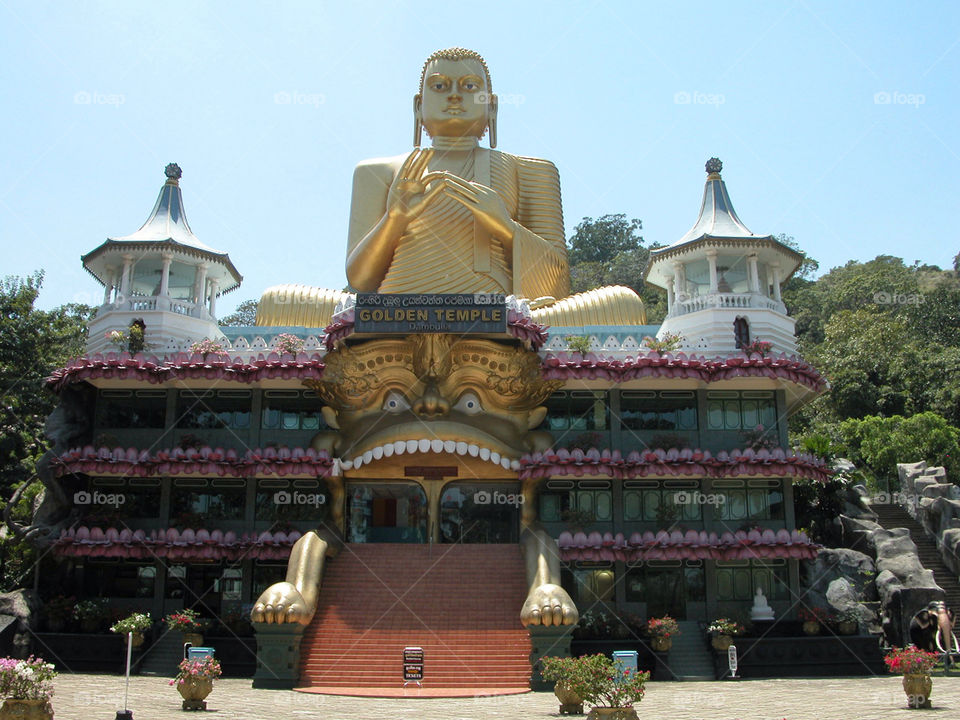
(454,98)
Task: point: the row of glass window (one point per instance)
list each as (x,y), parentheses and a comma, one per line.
(575,410)
(663,505)
(211,410)
(199,501)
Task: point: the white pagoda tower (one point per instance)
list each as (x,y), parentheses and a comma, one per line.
(723,282)
(161,276)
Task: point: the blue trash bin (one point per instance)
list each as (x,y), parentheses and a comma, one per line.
(198,653)
(624,661)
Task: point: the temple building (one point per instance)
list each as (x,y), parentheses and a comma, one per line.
(469,471)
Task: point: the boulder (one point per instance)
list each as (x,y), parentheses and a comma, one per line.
(20,610)
(831,564)
(904,585)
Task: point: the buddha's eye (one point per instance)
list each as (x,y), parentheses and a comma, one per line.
(438,83)
(468,404)
(395,402)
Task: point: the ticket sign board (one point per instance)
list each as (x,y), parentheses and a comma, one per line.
(412,664)
(732,660)
(396,314)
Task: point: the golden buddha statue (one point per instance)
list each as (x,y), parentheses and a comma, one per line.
(457,218)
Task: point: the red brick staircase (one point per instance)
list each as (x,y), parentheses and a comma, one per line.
(460,603)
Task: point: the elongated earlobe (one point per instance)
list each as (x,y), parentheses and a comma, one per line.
(492,121)
(417,127)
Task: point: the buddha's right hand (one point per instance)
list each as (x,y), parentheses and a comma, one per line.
(282,603)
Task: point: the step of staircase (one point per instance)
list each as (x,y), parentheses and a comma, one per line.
(893,516)
(460,603)
(164,656)
(690,658)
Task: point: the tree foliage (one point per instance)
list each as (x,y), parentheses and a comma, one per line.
(611,251)
(244,316)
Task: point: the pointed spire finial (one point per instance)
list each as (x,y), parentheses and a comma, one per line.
(714,165)
(173,172)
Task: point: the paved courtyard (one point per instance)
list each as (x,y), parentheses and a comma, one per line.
(86,697)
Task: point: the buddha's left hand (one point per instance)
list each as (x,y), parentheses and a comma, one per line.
(485,204)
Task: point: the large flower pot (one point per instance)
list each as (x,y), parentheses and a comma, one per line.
(917,687)
(811,627)
(194,691)
(847,627)
(195,639)
(570,702)
(609,713)
(137,639)
(721,642)
(26,710)
(661,644)
(89,625)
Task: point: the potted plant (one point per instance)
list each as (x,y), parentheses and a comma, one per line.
(288,343)
(92,613)
(848,621)
(59,611)
(206,347)
(721,632)
(661,630)
(813,619)
(27,687)
(915,666)
(668,344)
(137,623)
(188,622)
(595,679)
(758,347)
(194,681)
(561,670)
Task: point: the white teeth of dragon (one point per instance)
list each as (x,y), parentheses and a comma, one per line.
(427,445)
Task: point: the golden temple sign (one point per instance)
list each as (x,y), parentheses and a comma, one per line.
(465,313)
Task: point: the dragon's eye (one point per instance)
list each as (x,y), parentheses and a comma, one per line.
(468,404)
(395,402)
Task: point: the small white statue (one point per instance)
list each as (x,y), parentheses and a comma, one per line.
(761,608)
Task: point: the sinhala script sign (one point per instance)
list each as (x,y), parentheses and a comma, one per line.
(430,313)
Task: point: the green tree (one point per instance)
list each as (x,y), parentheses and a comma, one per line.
(611,251)
(32,344)
(880,443)
(244,316)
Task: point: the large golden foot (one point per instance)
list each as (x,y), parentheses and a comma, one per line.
(547,605)
(282,603)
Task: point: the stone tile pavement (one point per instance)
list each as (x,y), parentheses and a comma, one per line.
(89,697)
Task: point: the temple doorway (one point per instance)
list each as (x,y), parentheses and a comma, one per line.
(386,512)
(473,512)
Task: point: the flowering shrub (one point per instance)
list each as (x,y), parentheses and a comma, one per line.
(910,660)
(288,343)
(758,346)
(138,622)
(206,667)
(30,679)
(815,614)
(724,626)
(597,680)
(206,346)
(117,337)
(92,609)
(669,343)
(663,627)
(184,621)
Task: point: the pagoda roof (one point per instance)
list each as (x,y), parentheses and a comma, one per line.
(166,229)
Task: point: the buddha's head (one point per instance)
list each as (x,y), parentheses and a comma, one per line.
(455,98)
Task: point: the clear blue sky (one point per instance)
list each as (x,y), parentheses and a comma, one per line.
(98,97)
